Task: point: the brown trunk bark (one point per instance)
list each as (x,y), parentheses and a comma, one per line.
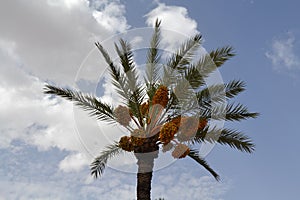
(144,176)
(145,155)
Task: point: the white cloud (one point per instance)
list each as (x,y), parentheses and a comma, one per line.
(176,24)
(47,40)
(283,55)
(53,37)
(176,27)
(27,114)
(112,17)
(118,186)
(26,190)
(74,162)
(180,183)
(174,18)
(70,4)
(35,177)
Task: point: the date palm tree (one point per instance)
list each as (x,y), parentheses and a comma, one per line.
(172,109)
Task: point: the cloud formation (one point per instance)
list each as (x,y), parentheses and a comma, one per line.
(47,41)
(167,14)
(53,37)
(31,179)
(283,55)
(174,31)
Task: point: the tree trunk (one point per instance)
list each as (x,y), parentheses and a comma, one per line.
(145,162)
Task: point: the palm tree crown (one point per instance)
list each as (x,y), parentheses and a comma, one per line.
(172,110)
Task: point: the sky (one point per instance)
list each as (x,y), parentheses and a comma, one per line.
(46,144)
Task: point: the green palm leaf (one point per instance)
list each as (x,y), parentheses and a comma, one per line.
(100,110)
(185,53)
(137,91)
(221,55)
(180,59)
(229,112)
(236,140)
(99,163)
(238,112)
(234,87)
(210,61)
(220,93)
(232,138)
(210,101)
(118,78)
(196,74)
(153,57)
(125,82)
(195,156)
(194,77)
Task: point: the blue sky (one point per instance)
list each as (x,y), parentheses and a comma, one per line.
(41,156)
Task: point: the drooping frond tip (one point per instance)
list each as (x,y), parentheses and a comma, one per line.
(98,165)
(195,156)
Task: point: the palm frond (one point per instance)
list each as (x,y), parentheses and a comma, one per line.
(195,156)
(173,108)
(151,89)
(188,106)
(229,112)
(212,94)
(169,76)
(238,112)
(183,90)
(183,99)
(135,101)
(100,110)
(115,72)
(234,87)
(125,55)
(221,55)
(232,138)
(136,90)
(194,77)
(118,78)
(219,93)
(236,140)
(212,102)
(153,57)
(185,53)
(180,59)
(99,163)
(210,61)
(122,87)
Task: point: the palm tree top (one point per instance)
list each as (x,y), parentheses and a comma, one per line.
(173,109)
